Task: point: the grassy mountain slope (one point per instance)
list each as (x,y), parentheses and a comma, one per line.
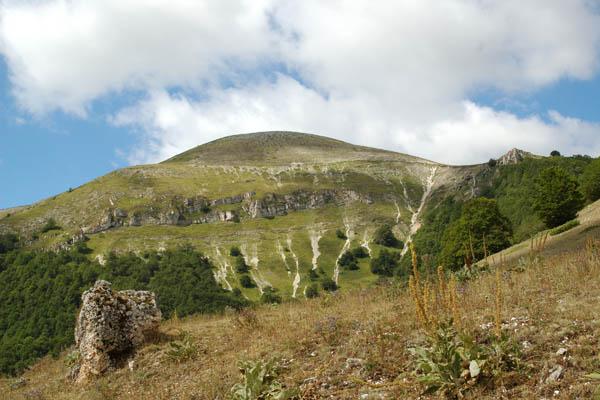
(308,187)
(354,344)
(280,197)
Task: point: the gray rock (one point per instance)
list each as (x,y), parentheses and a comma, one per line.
(354,363)
(555,374)
(111,325)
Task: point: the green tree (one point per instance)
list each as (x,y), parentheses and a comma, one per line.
(480,228)
(329,284)
(385,237)
(591,180)
(312,291)
(557,197)
(246,281)
(235,251)
(270,296)
(348,261)
(360,252)
(240,265)
(385,263)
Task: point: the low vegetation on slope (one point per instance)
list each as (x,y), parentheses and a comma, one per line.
(373,343)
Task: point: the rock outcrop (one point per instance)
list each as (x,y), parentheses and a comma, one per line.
(514,156)
(111,325)
(196,210)
(275,204)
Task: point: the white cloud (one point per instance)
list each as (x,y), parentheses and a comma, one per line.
(63,54)
(174,123)
(395,74)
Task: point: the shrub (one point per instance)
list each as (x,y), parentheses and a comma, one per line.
(385,237)
(235,251)
(557,198)
(340,234)
(329,284)
(313,275)
(564,227)
(312,291)
(50,226)
(492,163)
(240,265)
(246,281)
(348,261)
(360,252)
(270,296)
(555,153)
(259,381)
(385,263)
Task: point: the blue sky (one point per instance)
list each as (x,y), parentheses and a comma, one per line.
(88,87)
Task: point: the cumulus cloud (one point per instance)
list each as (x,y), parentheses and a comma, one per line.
(173,123)
(64,54)
(395,74)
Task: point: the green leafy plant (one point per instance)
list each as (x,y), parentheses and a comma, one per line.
(451,363)
(183,349)
(72,359)
(259,382)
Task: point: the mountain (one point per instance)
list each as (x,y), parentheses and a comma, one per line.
(281,197)
(259,217)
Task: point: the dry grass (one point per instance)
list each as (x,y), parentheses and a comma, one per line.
(348,344)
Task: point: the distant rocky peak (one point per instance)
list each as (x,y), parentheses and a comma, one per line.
(514,156)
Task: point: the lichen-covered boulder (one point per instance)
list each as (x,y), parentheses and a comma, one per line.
(110,325)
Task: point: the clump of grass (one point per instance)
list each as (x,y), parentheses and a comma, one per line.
(245,318)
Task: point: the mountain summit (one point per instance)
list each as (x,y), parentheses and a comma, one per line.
(280,147)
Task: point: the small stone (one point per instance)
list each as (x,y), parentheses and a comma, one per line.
(354,362)
(561,351)
(555,374)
